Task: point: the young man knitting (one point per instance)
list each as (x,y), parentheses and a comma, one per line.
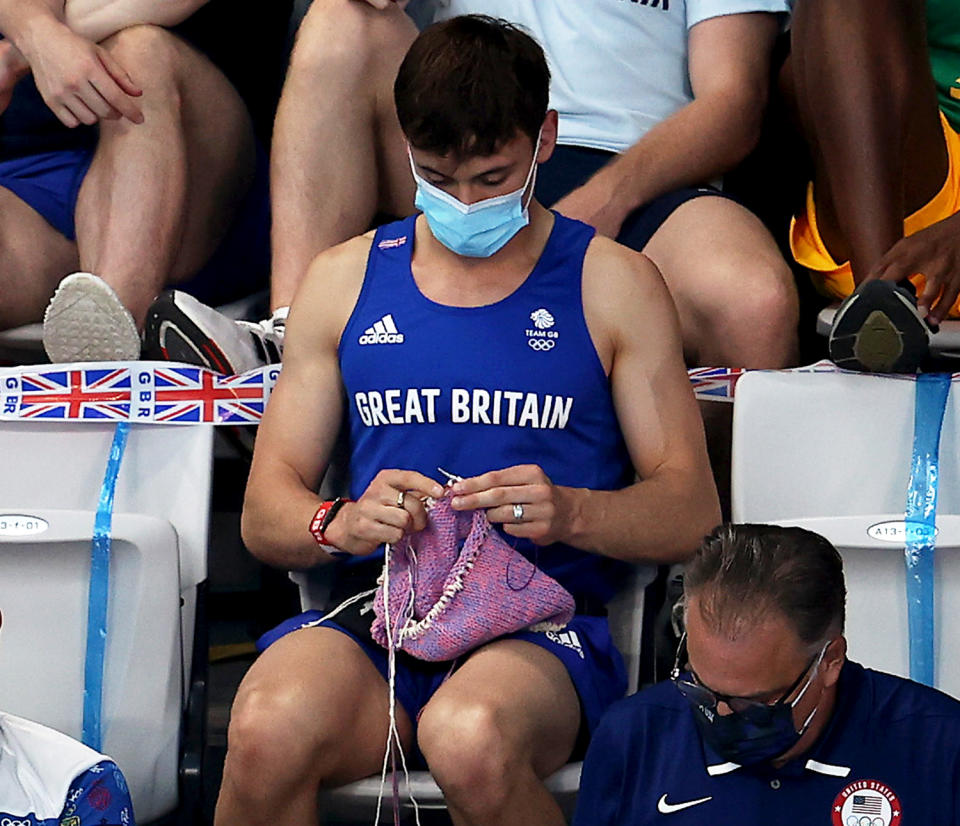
(507,345)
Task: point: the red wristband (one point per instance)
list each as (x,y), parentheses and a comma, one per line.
(323,517)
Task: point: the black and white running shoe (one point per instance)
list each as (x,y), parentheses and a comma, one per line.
(878,329)
(181,328)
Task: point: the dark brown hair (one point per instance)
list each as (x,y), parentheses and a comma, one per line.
(743,572)
(469,84)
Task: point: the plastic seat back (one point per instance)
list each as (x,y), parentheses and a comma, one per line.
(832,453)
(53,472)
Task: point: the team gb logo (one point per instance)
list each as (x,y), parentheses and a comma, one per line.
(541,319)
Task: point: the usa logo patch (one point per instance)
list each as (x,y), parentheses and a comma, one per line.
(867,803)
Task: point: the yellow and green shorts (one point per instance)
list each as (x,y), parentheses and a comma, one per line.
(836,280)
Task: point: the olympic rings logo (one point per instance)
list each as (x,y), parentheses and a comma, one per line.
(541,344)
(8,822)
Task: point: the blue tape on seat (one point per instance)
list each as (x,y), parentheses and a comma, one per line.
(99,596)
(921,517)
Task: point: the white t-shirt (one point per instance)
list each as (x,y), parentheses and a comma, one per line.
(618,67)
(37,767)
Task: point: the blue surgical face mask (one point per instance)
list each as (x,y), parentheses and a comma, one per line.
(476,230)
(758,734)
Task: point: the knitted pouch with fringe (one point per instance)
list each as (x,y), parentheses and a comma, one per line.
(458,584)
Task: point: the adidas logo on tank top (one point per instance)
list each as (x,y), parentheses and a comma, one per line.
(383,332)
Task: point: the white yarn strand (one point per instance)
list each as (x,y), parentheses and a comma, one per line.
(393,734)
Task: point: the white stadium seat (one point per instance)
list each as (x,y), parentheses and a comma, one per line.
(831,452)
(52,474)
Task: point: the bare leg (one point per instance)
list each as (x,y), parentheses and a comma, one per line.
(311,712)
(13,67)
(160,196)
(734,292)
(866,99)
(33,259)
(504,721)
(736,299)
(338,152)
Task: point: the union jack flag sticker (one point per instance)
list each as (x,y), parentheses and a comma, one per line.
(192,394)
(717,383)
(78,393)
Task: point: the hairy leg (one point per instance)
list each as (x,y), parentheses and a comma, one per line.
(734,292)
(311,712)
(160,195)
(492,732)
(863,88)
(338,152)
(33,259)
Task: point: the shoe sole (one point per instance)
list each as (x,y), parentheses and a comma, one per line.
(86,321)
(878,331)
(171,335)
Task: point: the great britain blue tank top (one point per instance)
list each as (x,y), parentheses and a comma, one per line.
(473,389)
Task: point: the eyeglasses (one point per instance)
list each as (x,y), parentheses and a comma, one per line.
(754,711)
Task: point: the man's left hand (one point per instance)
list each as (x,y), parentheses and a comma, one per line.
(545,514)
(593,204)
(934,252)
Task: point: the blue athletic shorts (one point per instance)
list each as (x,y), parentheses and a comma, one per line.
(584,647)
(50,182)
(571,166)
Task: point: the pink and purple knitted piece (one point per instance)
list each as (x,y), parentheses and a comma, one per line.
(458,584)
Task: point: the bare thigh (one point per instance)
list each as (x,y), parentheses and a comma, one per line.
(511,691)
(33,259)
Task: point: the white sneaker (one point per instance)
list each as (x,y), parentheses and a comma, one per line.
(181,328)
(86,321)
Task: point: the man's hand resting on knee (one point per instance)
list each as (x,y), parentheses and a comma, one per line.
(79,80)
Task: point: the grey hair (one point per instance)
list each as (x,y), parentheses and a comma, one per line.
(742,573)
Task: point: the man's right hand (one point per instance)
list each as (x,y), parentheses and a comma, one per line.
(80,81)
(390,507)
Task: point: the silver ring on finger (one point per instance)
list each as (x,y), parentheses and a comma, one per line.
(400,497)
(518,512)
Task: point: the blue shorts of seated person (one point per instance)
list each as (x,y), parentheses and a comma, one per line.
(571,166)
(585,648)
(49,182)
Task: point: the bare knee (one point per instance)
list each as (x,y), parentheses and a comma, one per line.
(772,306)
(266,730)
(756,325)
(152,56)
(470,754)
(344,43)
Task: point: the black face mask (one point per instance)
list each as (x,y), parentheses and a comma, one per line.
(737,738)
(754,732)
